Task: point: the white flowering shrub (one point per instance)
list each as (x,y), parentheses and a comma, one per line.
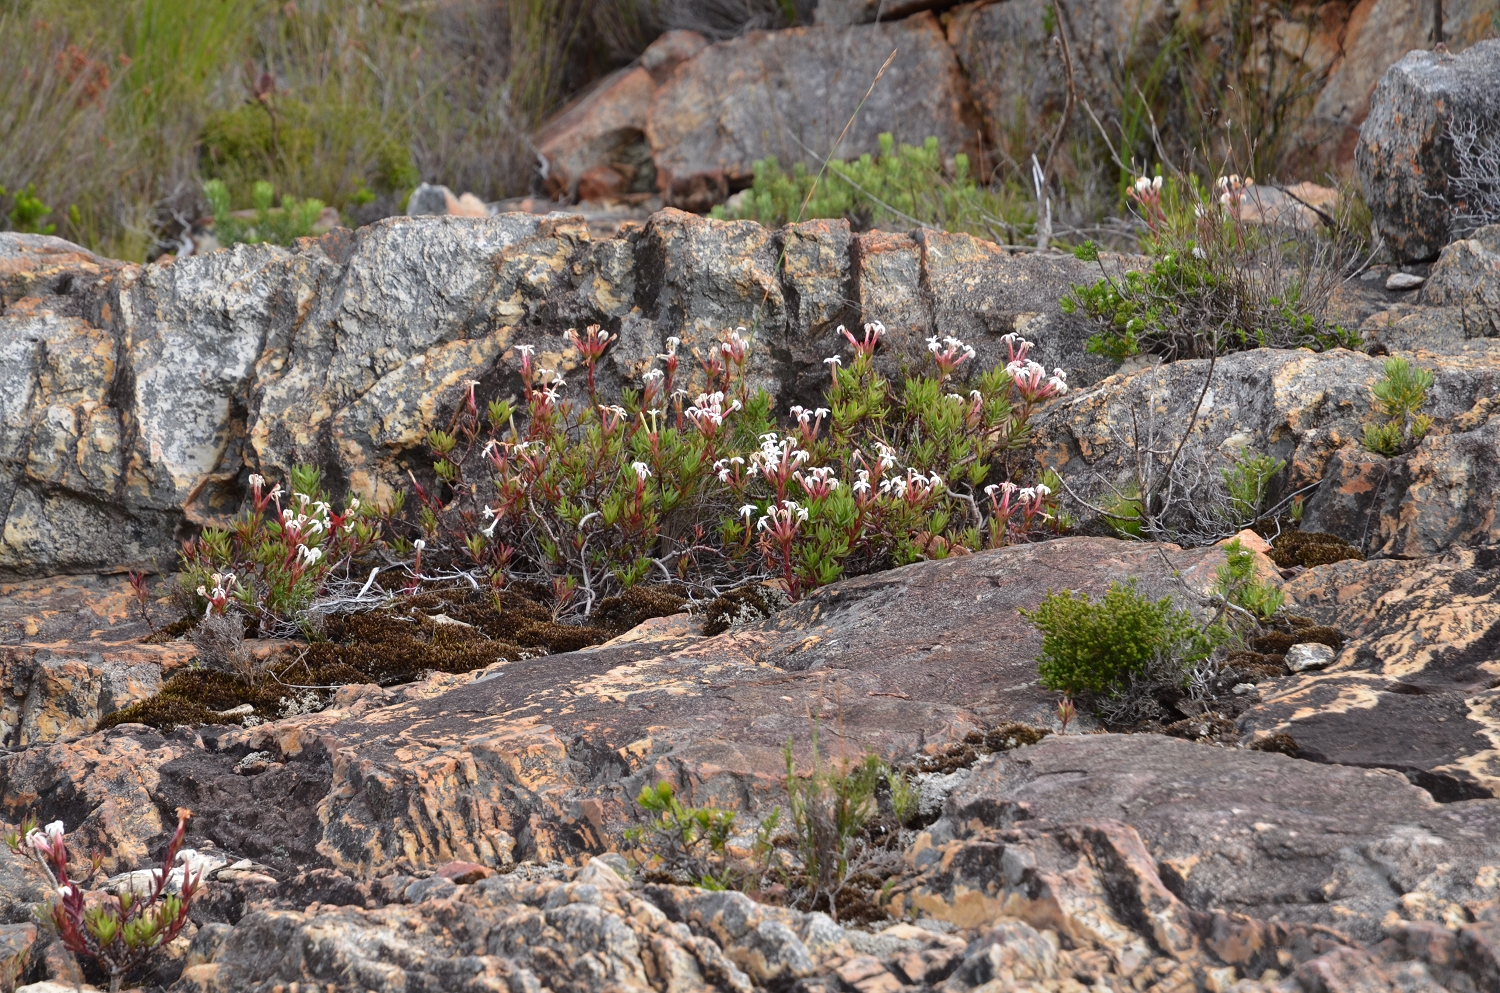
(704,487)
(275,557)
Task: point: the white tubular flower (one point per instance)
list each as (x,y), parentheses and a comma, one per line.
(309,555)
(419,544)
(1042,489)
(54,830)
(203,592)
(862,481)
(991,489)
(288,514)
(835,360)
(354,503)
(642,471)
(652,376)
(1027,494)
(933,345)
(875,328)
(257,481)
(747,511)
(1142,184)
(527,350)
(954,396)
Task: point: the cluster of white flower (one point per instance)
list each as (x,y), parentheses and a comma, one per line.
(914,486)
(777,457)
(728,469)
(709,412)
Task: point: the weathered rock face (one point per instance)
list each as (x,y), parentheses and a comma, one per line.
(1416,688)
(134,402)
(1016,72)
(789,94)
(1405,154)
(1308,409)
(1248,832)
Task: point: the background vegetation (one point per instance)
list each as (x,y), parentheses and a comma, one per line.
(114,111)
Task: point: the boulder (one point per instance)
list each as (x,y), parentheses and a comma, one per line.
(789,94)
(1252,833)
(1405,152)
(1467,276)
(595,147)
(1348,50)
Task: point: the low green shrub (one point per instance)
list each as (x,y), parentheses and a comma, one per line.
(901,187)
(1237,583)
(274,225)
(1215,283)
(1399,394)
(27,211)
(1094,648)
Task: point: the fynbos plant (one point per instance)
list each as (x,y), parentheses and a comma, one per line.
(593,498)
(119,932)
(1399,394)
(1216,283)
(273,559)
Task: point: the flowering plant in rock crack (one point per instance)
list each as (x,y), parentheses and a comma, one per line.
(704,487)
(1219,281)
(275,557)
(119,932)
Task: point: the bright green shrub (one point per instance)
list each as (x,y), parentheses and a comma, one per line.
(1239,585)
(1095,647)
(276,225)
(1399,394)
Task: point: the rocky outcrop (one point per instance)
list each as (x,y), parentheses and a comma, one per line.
(1308,409)
(135,401)
(790,94)
(1405,151)
(539,758)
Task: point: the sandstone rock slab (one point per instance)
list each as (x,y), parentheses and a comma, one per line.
(1415,690)
(1253,833)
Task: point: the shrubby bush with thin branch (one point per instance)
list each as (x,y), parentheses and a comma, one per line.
(1473,193)
(1216,283)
